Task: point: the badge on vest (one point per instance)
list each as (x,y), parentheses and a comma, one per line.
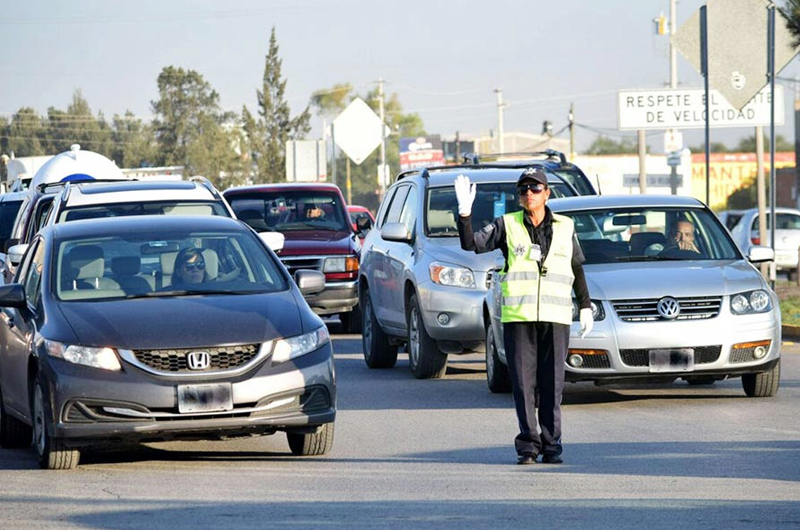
(535,253)
(519,250)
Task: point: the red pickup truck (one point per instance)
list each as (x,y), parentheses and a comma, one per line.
(318,235)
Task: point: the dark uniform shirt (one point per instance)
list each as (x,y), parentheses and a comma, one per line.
(493,236)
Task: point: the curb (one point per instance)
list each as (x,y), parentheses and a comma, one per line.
(790,331)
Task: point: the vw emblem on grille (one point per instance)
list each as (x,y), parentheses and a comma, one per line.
(668,308)
(198,360)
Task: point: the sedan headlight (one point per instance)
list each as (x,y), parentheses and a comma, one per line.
(286,349)
(341,264)
(597,311)
(103,358)
(750,302)
(452,276)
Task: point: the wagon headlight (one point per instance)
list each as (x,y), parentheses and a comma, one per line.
(286,349)
(597,311)
(341,264)
(453,276)
(103,358)
(750,302)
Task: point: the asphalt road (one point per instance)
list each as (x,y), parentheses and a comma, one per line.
(439,454)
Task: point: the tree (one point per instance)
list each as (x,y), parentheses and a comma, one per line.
(134,142)
(77,126)
(330,102)
(603,145)
(791,14)
(26,133)
(746,196)
(267,135)
(748,144)
(715,147)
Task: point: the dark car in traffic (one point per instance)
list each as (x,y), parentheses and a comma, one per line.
(105,336)
(318,235)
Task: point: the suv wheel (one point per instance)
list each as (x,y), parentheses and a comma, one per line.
(764,384)
(52,452)
(496,372)
(311,444)
(13,432)
(351,321)
(426,361)
(378,352)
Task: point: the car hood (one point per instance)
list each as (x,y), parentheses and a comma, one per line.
(448,250)
(184,321)
(301,242)
(616,281)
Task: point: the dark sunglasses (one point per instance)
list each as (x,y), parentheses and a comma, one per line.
(533,188)
(196,266)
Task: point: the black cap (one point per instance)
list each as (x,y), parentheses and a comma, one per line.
(532,175)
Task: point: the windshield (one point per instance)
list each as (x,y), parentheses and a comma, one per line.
(164,263)
(651,234)
(76,213)
(492,199)
(577,180)
(283,211)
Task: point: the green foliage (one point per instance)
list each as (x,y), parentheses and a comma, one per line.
(603,145)
(267,135)
(329,103)
(715,147)
(748,144)
(791,14)
(134,142)
(746,196)
(25,134)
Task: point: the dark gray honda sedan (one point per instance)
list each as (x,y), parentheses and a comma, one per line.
(158,328)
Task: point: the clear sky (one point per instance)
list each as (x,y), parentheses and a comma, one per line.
(443,58)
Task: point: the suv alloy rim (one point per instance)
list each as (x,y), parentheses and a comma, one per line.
(490,355)
(413,336)
(367,325)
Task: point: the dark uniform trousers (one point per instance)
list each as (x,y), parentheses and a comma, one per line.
(536,352)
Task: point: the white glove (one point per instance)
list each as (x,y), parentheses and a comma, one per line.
(465,195)
(587,322)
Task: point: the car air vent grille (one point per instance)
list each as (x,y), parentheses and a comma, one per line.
(293,264)
(641,357)
(646,310)
(220,358)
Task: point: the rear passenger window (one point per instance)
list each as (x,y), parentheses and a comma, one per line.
(384,208)
(409,213)
(393,216)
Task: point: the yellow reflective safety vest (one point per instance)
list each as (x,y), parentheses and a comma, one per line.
(529,295)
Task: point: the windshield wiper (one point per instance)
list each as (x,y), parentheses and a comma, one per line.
(648,258)
(185,292)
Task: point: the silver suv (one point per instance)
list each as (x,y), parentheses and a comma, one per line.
(416,285)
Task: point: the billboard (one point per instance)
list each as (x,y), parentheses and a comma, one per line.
(421,151)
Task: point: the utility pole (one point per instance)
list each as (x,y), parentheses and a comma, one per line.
(571,132)
(382,169)
(500,107)
(761,188)
(673,83)
(642,162)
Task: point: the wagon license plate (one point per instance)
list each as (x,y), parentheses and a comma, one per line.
(205,398)
(674,360)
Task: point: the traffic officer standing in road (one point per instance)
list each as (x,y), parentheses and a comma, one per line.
(543,263)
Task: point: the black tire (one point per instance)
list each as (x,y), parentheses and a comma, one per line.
(351,321)
(13,432)
(764,384)
(496,372)
(311,444)
(424,356)
(378,352)
(51,452)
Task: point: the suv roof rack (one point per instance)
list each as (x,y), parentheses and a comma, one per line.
(206,184)
(60,184)
(475,158)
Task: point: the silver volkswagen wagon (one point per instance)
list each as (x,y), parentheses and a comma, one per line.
(672,297)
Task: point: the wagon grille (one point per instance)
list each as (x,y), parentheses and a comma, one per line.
(641,357)
(692,308)
(294,264)
(221,358)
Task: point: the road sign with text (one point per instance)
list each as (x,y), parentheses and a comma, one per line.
(685,109)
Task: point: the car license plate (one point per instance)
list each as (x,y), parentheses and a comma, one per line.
(675,360)
(205,398)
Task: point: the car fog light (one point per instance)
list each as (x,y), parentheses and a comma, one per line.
(575,361)
(759,352)
(443,319)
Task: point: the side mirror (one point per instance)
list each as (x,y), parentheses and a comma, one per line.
(363,226)
(274,240)
(309,281)
(396,232)
(16,253)
(760,254)
(10,242)
(12,295)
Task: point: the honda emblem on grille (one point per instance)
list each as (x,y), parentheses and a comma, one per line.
(198,360)
(668,308)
